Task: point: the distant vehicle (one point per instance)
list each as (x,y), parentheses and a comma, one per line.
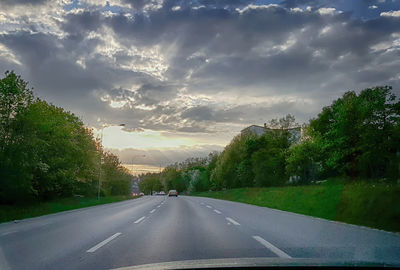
(161,193)
(173,192)
(141,194)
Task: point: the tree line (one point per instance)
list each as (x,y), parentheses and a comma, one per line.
(47,152)
(356,137)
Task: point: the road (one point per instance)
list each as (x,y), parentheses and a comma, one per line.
(158,229)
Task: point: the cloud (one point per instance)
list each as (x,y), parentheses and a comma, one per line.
(327,11)
(207,67)
(392,13)
(22,2)
(163,157)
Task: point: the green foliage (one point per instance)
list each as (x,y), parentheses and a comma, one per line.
(302,161)
(150,182)
(269,161)
(371,204)
(251,160)
(191,175)
(47,152)
(359,134)
(116,178)
(62,149)
(15,178)
(172,179)
(229,170)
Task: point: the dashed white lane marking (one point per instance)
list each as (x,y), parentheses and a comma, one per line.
(158,206)
(7,233)
(152,211)
(208,206)
(216,211)
(139,220)
(234,222)
(271,247)
(99,245)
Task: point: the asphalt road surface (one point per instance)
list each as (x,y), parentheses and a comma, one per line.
(160,229)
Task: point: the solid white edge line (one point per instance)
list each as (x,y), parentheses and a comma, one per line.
(208,206)
(216,211)
(99,245)
(232,221)
(140,219)
(271,247)
(152,211)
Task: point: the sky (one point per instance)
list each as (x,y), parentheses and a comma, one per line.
(186,76)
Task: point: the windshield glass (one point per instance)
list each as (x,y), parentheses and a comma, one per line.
(136,132)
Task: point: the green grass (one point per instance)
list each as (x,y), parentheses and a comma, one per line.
(15,212)
(372,205)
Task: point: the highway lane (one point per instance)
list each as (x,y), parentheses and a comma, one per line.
(303,236)
(160,229)
(37,242)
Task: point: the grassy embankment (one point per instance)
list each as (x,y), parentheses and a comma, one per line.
(13,212)
(373,205)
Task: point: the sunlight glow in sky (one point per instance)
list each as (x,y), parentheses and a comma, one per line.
(116,137)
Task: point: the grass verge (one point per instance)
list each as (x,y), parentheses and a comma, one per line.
(372,205)
(15,212)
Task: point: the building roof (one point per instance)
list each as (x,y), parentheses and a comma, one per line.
(257,126)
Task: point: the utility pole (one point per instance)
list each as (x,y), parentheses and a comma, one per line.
(101,157)
(100,160)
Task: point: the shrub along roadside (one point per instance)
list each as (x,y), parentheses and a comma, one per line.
(16,212)
(367,204)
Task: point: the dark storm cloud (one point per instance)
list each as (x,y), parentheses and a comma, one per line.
(149,94)
(209,47)
(260,113)
(78,26)
(199,113)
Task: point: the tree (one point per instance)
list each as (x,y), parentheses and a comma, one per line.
(225,174)
(15,156)
(285,122)
(269,161)
(358,133)
(150,182)
(47,152)
(302,162)
(15,97)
